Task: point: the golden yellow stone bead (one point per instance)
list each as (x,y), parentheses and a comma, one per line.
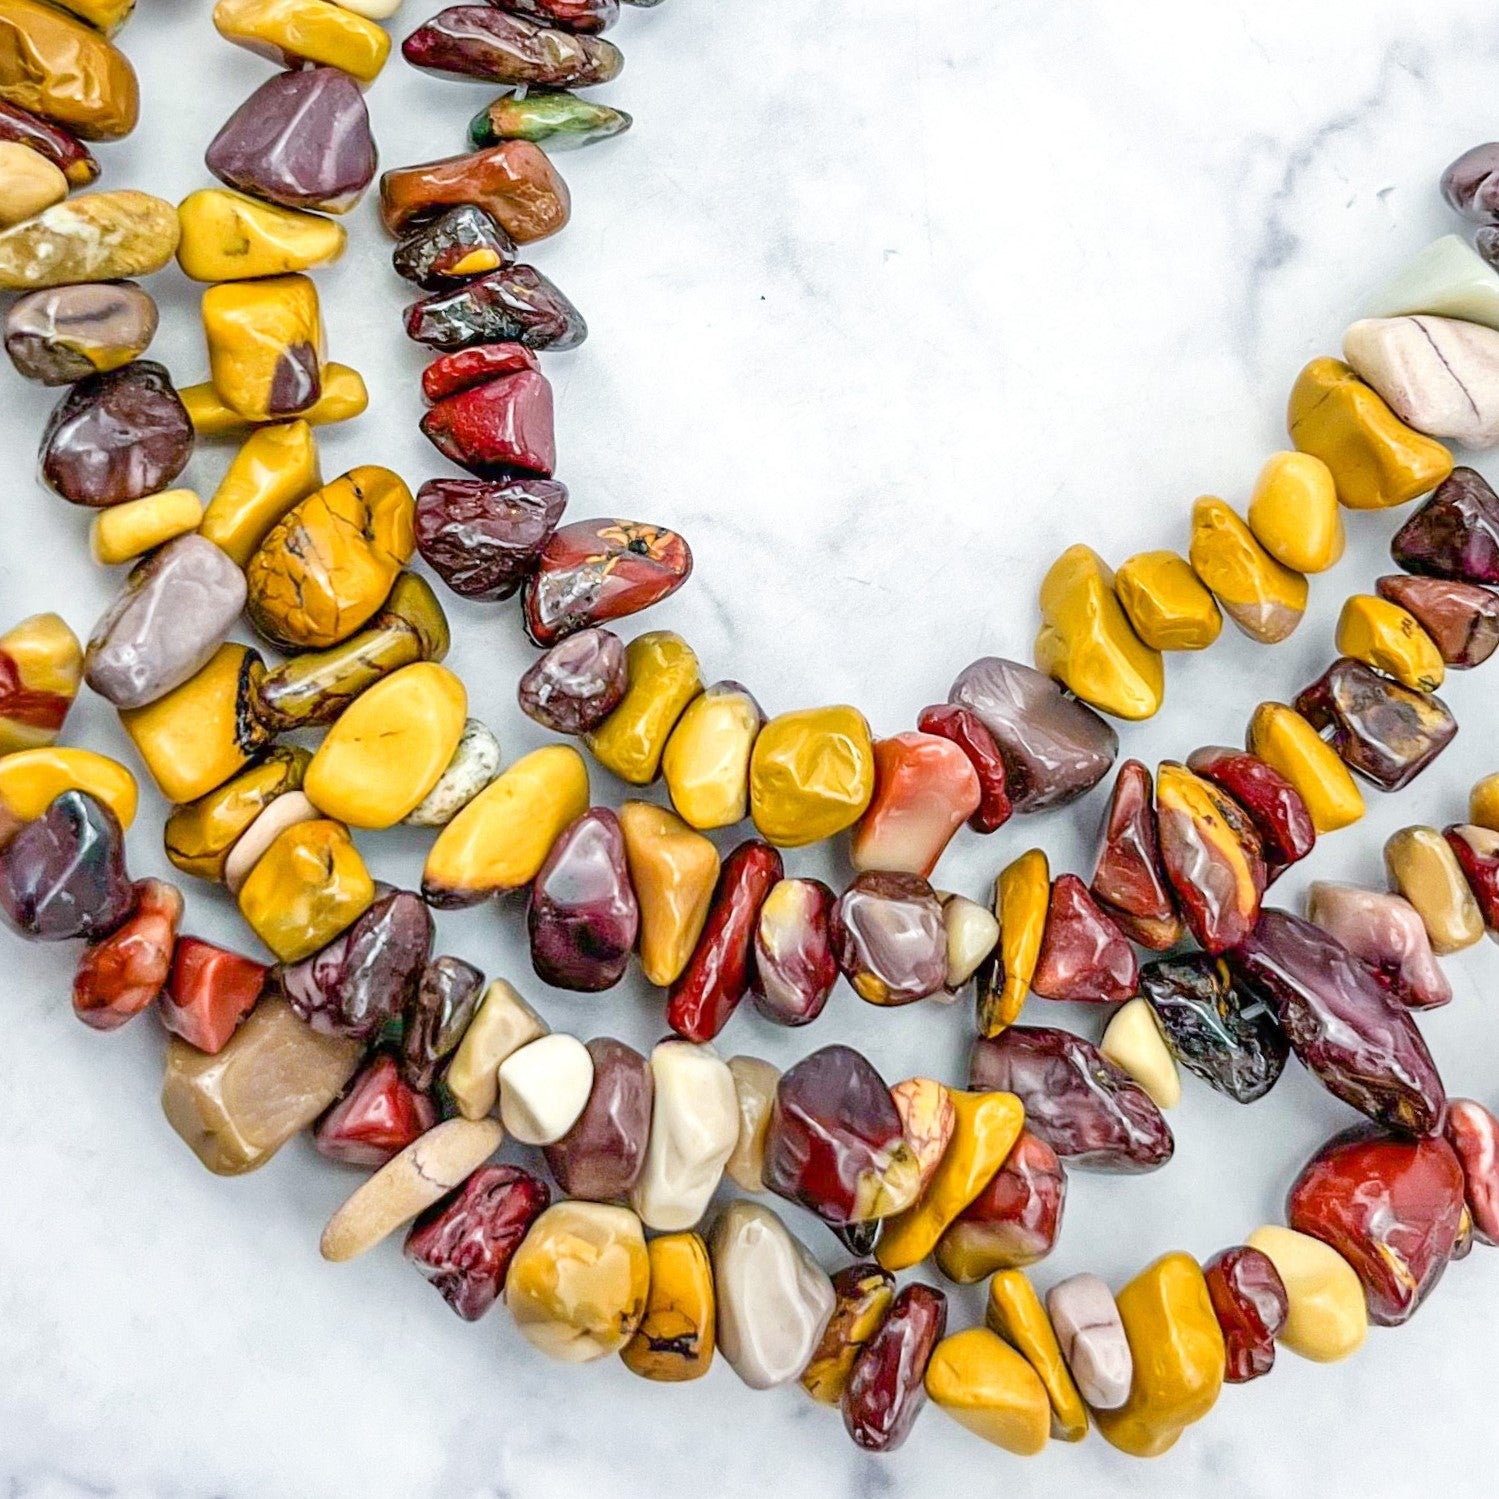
(983,1384)
(673,871)
(1022,896)
(500,840)
(200,835)
(32,779)
(1262,596)
(344,397)
(306,888)
(1087,643)
(1132,1040)
(204,731)
(41,667)
(864,1297)
(329,563)
(265,345)
(1391,640)
(1166,603)
(124,532)
(985,1127)
(1483,803)
(1294,512)
(811,775)
(1423,868)
(389,747)
(675,1339)
(275,468)
(1375,459)
(1016,1313)
(107,15)
(577,1286)
(1286,742)
(664,678)
(1329,1318)
(1177,1349)
(229,237)
(706,760)
(293,32)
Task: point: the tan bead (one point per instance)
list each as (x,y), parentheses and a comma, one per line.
(305,889)
(755,1085)
(1286,742)
(1262,596)
(502,1024)
(1391,640)
(28,183)
(664,678)
(706,760)
(344,397)
(1423,868)
(124,532)
(229,237)
(1166,603)
(275,468)
(293,33)
(1132,1040)
(93,237)
(673,872)
(811,775)
(1294,512)
(1328,1318)
(199,835)
(1015,1312)
(1483,803)
(983,1384)
(675,1339)
(55,66)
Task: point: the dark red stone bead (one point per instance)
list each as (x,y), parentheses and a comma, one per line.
(68,154)
(573,687)
(966,730)
(600,1158)
(584,16)
(477,41)
(497,428)
(483,537)
(886,1388)
(118,977)
(1273,804)
(583,917)
(515,304)
(1473,1133)
(1018,1215)
(795,965)
(1455,534)
(376,1119)
(1084,955)
(1128,879)
(437,1017)
(1477,851)
(437,255)
(466,368)
(1250,1302)
(890,938)
(1462,618)
(63,875)
(209,992)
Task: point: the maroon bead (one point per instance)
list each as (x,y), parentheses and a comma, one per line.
(1092,1113)
(1272,803)
(587,16)
(118,977)
(1477,851)
(482,537)
(573,687)
(1084,955)
(1471,184)
(1473,1133)
(595,571)
(1455,534)
(583,917)
(450,373)
(436,1018)
(966,730)
(1461,618)
(1356,1038)
(376,1119)
(795,965)
(475,41)
(1018,1216)
(497,428)
(890,938)
(1390,1206)
(600,1158)
(515,304)
(1250,1302)
(209,992)
(464,1243)
(1128,880)
(63,875)
(887,1385)
(433,253)
(67,153)
(718,972)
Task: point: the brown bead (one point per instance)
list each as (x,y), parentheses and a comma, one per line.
(514,183)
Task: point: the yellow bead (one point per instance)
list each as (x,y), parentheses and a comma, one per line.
(204,731)
(1423,868)
(1088,644)
(673,872)
(265,345)
(1177,1349)
(985,1128)
(1022,896)
(1264,598)
(500,840)
(664,678)
(706,761)
(1166,603)
(983,1384)
(305,889)
(32,779)
(864,1299)
(675,1339)
(1015,1312)
(294,32)
(107,15)
(1286,742)
(1132,1040)
(1329,1318)
(1376,460)
(229,237)
(200,835)
(344,396)
(124,532)
(1391,640)
(41,667)
(1294,512)
(811,775)
(275,468)
(1483,803)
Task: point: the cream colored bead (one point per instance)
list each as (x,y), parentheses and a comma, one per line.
(1133,1041)
(285,812)
(1328,1317)
(29,183)
(544,1087)
(1449,278)
(124,532)
(972,934)
(371,10)
(503,1023)
(755,1083)
(694,1129)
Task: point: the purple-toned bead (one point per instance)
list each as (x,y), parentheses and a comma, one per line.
(583,918)
(485,537)
(479,41)
(795,965)
(1455,533)
(573,687)
(1461,618)
(453,249)
(600,1158)
(887,1386)
(584,16)
(1386,932)
(1251,1306)
(1471,184)
(437,1016)
(890,938)
(63,874)
(515,305)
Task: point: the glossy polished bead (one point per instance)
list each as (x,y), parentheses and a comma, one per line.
(478,41)
(29,183)
(886,1388)
(484,537)
(1092,1113)
(32,779)
(65,71)
(1014,1221)
(1473,1133)
(1054,748)
(925,789)
(1423,868)
(600,1156)
(1129,880)
(972,935)
(1294,512)
(50,141)
(1462,619)
(584,16)
(795,965)
(265,345)
(1287,743)
(209,992)
(284,812)
(513,183)
(811,775)
(308,886)
(706,760)
(1358,1041)
(1468,184)
(1015,1313)
(122,533)
(544,1088)
(344,397)
(294,33)
(989,1388)
(573,687)
(1387,933)
(375,1120)
(863,1295)
(1483,802)
(497,428)
(63,333)
(456,246)
(755,1084)
(662,672)
(927,1119)
(1084,955)
(1455,534)
(891,941)
(275,468)
(1091,1336)
(1165,603)
(503,1024)
(94,237)
(515,304)
(1389,639)
(1446,279)
(301,140)
(500,840)
(120,975)
(1376,460)
(1477,851)
(1272,803)
(1327,1319)
(553,118)
(229,237)
(674,872)
(473,765)
(437,1015)
(966,730)
(583,917)
(1438,375)
(465,368)
(1133,1041)
(1250,1303)
(200,835)
(1263,597)
(676,1337)
(41,665)
(694,1128)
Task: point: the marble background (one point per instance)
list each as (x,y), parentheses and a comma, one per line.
(889,304)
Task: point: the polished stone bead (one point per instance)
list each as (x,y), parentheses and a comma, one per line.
(795,965)
(265,345)
(1091,1336)
(200,835)
(63,333)
(1386,932)
(1477,851)
(456,246)
(497,428)
(301,140)
(811,775)
(29,183)
(116,436)
(583,917)
(63,874)
(600,1158)
(1455,534)
(1272,803)
(62,69)
(94,237)
(989,1388)
(1084,955)
(503,1024)
(928,1118)
(1213,1028)
(925,789)
(544,1088)
(886,1388)
(1132,1040)
(694,1129)
(309,886)
(1446,279)
(1014,1311)
(888,932)
(1424,868)
(1461,618)
(513,183)
(516,304)
(706,761)
(967,731)
(1327,1319)
(755,1085)
(344,397)
(1092,1113)
(1290,746)
(485,537)
(478,41)
(437,1016)
(584,16)
(284,812)
(294,33)
(1358,1041)
(275,468)
(41,666)
(553,118)
(1473,1133)
(230,237)
(465,1243)
(1129,880)
(863,1295)
(473,765)
(1265,598)
(463,369)
(1390,639)
(674,872)
(1166,603)
(32,779)
(1470,186)
(1294,512)
(1249,1300)
(1015,1219)
(1483,803)
(376,1119)
(972,935)
(119,976)
(50,141)
(125,532)
(1438,375)
(676,1337)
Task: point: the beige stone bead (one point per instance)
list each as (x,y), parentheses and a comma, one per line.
(1133,1041)
(694,1129)
(1328,1317)
(1423,868)
(1090,1333)
(29,183)
(503,1023)
(544,1087)
(755,1084)
(972,934)
(285,812)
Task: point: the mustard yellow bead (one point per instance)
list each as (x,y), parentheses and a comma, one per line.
(32,779)
(265,345)
(1375,459)
(1015,1312)
(1329,1318)
(1166,603)
(229,237)
(1391,640)
(1423,868)
(985,1385)
(1294,512)
(41,667)
(293,32)
(124,532)
(107,15)
(344,397)
(199,836)
(1286,742)
(675,1339)
(305,889)
(1483,803)
(706,760)
(275,468)
(1262,596)
(1022,895)
(664,678)
(1087,643)
(673,871)
(811,775)
(204,731)
(500,840)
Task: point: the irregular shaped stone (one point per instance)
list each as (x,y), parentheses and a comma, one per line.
(1477,851)
(1133,1041)
(1424,868)
(1455,534)
(209,992)
(755,1085)
(1015,1313)
(1091,1335)
(474,764)
(584,16)
(863,1296)
(928,1118)
(583,917)
(1326,1320)
(1014,1221)
(662,673)
(477,41)
(119,976)
(63,875)
(1483,803)
(200,835)
(1165,602)
(694,1128)
(309,886)
(122,533)
(1249,1300)
(576,684)
(1292,748)
(544,1088)
(63,333)
(285,812)
(456,246)
(376,1119)
(1387,933)
(463,369)
(966,730)
(94,237)
(795,965)
(515,304)
(989,1388)
(65,71)
(1473,1133)
(484,537)
(1084,955)
(811,775)
(707,758)
(32,779)
(1390,639)
(676,1338)
(1272,803)
(1470,187)
(230,237)
(497,428)
(293,33)
(673,872)
(1446,279)
(41,665)
(275,468)
(1128,880)
(1294,512)
(503,1024)
(1265,598)
(1461,618)
(50,141)
(554,118)
(925,789)
(514,184)
(600,1157)
(886,1388)
(436,1018)
(344,397)
(888,933)
(265,345)
(1022,899)
(972,934)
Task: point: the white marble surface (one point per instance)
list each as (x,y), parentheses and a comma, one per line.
(890,302)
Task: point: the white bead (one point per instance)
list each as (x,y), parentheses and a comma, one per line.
(475,763)
(1134,1042)
(1449,278)
(1092,1338)
(544,1087)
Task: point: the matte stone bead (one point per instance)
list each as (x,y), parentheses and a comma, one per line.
(601,1157)
(1294,512)
(1015,1313)
(209,992)
(485,537)
(1461,618)
(674,872)
(1473,1133)
(478,41)
(376,1119)
(515,184)
(497,428)
(65,71)
(1423,866)
(302,140)
(93,237)
(515,304)
(63,333)
(116,436)
(474,764)
(583,917)
(465,368)
(554,118)
(888,932)
(50,141)
(119,976)
(41,666)
(795,964)
(1022,898)
(1387,933)
(1470,184)
(1327,1319)
(1055,749)
(1273,804)
(966,730)
(1263,597)
(886,1387)
(1092,1339)
(1128,879)
(1289,745)
(1014,1221)
(456,246)
(694,1129)
(1249,1300)
(63,874)
(1455,534)
(863,1295)
(1390,639)
(1084,955)
(437,1016)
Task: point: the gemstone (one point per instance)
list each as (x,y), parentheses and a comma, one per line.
(967,731)
(674,872)
(463,369)
(515,184)
(694,1129)
(1265,598)
(209,993)
(515,304)
(93,237)
(601,1157)
(63,874)
(1014,1221)
(376,1119)
(478,41)
(485,537)
(583,917)
(437,1016)
(888,932)
(1455,534)
(925,789)
(1128,879)
(119,976)
(63,333)
(497,428)
(1462,618)
(1084,955)
(795,966)
(886,1387)
(1249,1300)
(573,687)
(1273,804)
(62,69)
(456,246)
(1386,932)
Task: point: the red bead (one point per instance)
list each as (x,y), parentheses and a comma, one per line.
(1128,879)
(1473,1133)
(1084,955)
(118,977)
(1015,1220)
(1274,805)
(1477,851)
(966,729)
(376,1119)
(498,427)
(209,992)
(469,367)
(886,1388)
(1250,1302)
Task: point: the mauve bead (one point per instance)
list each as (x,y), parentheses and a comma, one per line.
(1128,879)
(573,687)
(515,304)
(964,727)
(1461,618)
(1455,533)
(1272,803)
(1250,1302)
(437,1016)
(1084,955)
(1486,242)
(376,1119)
(600,1158)
(795,965)
(64,333)
(568,15)
(1473,1133)
(1386,932)
(1471,184)
(457,246)
(886,1388)
(891,939)
(497,428)
(466,368)
(583,917)
(63,875)
(484,537)
(477,41)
